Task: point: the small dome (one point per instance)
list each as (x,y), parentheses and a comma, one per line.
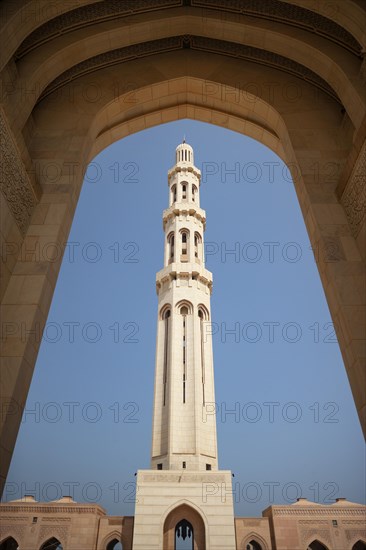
(184,153)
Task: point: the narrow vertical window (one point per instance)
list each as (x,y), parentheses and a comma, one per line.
(184,243)
(184,192)
(184,313)
(196,246)
(171,247)
(166,347)
(200,315)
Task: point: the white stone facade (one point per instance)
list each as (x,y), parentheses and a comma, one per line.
(184,435)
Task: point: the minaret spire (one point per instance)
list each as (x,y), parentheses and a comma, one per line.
(184,436)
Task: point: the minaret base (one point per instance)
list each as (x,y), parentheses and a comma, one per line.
(204,499)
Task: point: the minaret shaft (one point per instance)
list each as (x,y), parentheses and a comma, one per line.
(184,426)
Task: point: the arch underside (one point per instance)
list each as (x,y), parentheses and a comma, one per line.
(286,75)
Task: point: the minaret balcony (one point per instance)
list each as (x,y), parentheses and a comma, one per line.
(184,208)
(184,270)
(184,166)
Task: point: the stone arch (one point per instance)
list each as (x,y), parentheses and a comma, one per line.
(203,312)
(164,310)
(178,513)
(184,304)
(9,543)
(316,544)
(358,544)
(52,543)
(112,538)
(331,127)
(253,536)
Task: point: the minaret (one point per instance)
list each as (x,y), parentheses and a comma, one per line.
(184,436)
(184,495)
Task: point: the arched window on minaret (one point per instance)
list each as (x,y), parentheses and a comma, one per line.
(170,239)
(184,313)
(194,193)
(165,315)
(198,246)
(173,194)
(184,190)
(184,237)
(204,317)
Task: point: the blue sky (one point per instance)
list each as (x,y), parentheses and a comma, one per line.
(292,430)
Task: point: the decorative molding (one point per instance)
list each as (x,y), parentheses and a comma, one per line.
(289,14)
(313,522)
(50,509)
(14,180)
(199,43)
(334,512)
(55,519)
(273,10)
(183,478)
(354,194)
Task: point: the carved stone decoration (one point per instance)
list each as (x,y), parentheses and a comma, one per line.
(199,43)
(11,530)
(354,195)
(307,534)
(14,181)
(355,534)
(275,10)
(49,531)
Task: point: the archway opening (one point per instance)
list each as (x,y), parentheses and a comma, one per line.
(316,545)
(52,544)
(129,258)
(184,536)
(184,529)
(253,545)
(359,545)
(114,545)
(9,544)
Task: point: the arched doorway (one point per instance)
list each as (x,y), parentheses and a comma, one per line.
(316,545)
(9,544)
(184,529)
(359,545)
(52,544)
(114,545)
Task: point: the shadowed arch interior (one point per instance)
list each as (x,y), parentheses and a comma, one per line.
(52,544)
(184,516)
(316,545)
(9,544)
(114,545)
